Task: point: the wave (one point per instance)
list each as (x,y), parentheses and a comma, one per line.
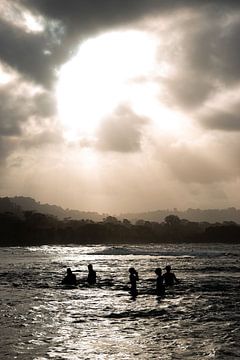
(115,250)
(153,251)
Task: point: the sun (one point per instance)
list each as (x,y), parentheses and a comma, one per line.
(101,76)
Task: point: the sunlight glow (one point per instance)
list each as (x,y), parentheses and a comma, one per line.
(6,75)
(146,101)
(99,78)
(32,23)
(18,15)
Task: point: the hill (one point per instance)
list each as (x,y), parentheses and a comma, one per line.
(208,215)
(21,203)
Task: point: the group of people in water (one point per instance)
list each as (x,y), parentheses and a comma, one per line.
(162,281)
(71,280)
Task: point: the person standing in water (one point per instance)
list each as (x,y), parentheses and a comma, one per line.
(169,277)
(70,278)
(91,279)
(133,277)
(160,287)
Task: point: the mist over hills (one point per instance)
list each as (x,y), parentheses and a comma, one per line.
(19,204)
(198,215)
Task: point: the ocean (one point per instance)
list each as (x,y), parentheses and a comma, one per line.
(198,318)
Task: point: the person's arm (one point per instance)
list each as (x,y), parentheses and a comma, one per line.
(175,279)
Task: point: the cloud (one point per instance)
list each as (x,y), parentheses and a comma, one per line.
(95,15)
(212,46)
(41,139)
(31,54)
(168,165)
(19,104)
(188,90)
(201,49)
(222,120)
(38,55)
(27,116)
(112,11)
(121,132)
(12,111)
(66,24)
(44,104)
(206,159)
(192,164)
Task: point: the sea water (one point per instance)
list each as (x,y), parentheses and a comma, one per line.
(197,319)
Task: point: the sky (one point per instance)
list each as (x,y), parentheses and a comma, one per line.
(120,106)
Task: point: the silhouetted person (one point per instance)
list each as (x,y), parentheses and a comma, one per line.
(70,278)
(91,279)
(160,287)
(133,277)
(169,277)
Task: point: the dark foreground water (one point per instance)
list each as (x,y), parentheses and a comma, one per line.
(198,319)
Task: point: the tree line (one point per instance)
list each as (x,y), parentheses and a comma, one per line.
(31,228)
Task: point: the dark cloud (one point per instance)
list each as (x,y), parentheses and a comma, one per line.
(122,132)
(67,23)
(204,49)
(94,14)
(38,55)
(212,46)
(19,111)
(108,12)
(222,120)
(188,90)
(17,106)
(31,54)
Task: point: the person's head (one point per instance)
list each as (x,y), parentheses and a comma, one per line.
(90,267)
(132,270)
(158,271)
(69,271)
(168,268)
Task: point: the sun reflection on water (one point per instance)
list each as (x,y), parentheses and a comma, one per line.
(103,322)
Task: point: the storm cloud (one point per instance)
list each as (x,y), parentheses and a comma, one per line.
(66,24)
